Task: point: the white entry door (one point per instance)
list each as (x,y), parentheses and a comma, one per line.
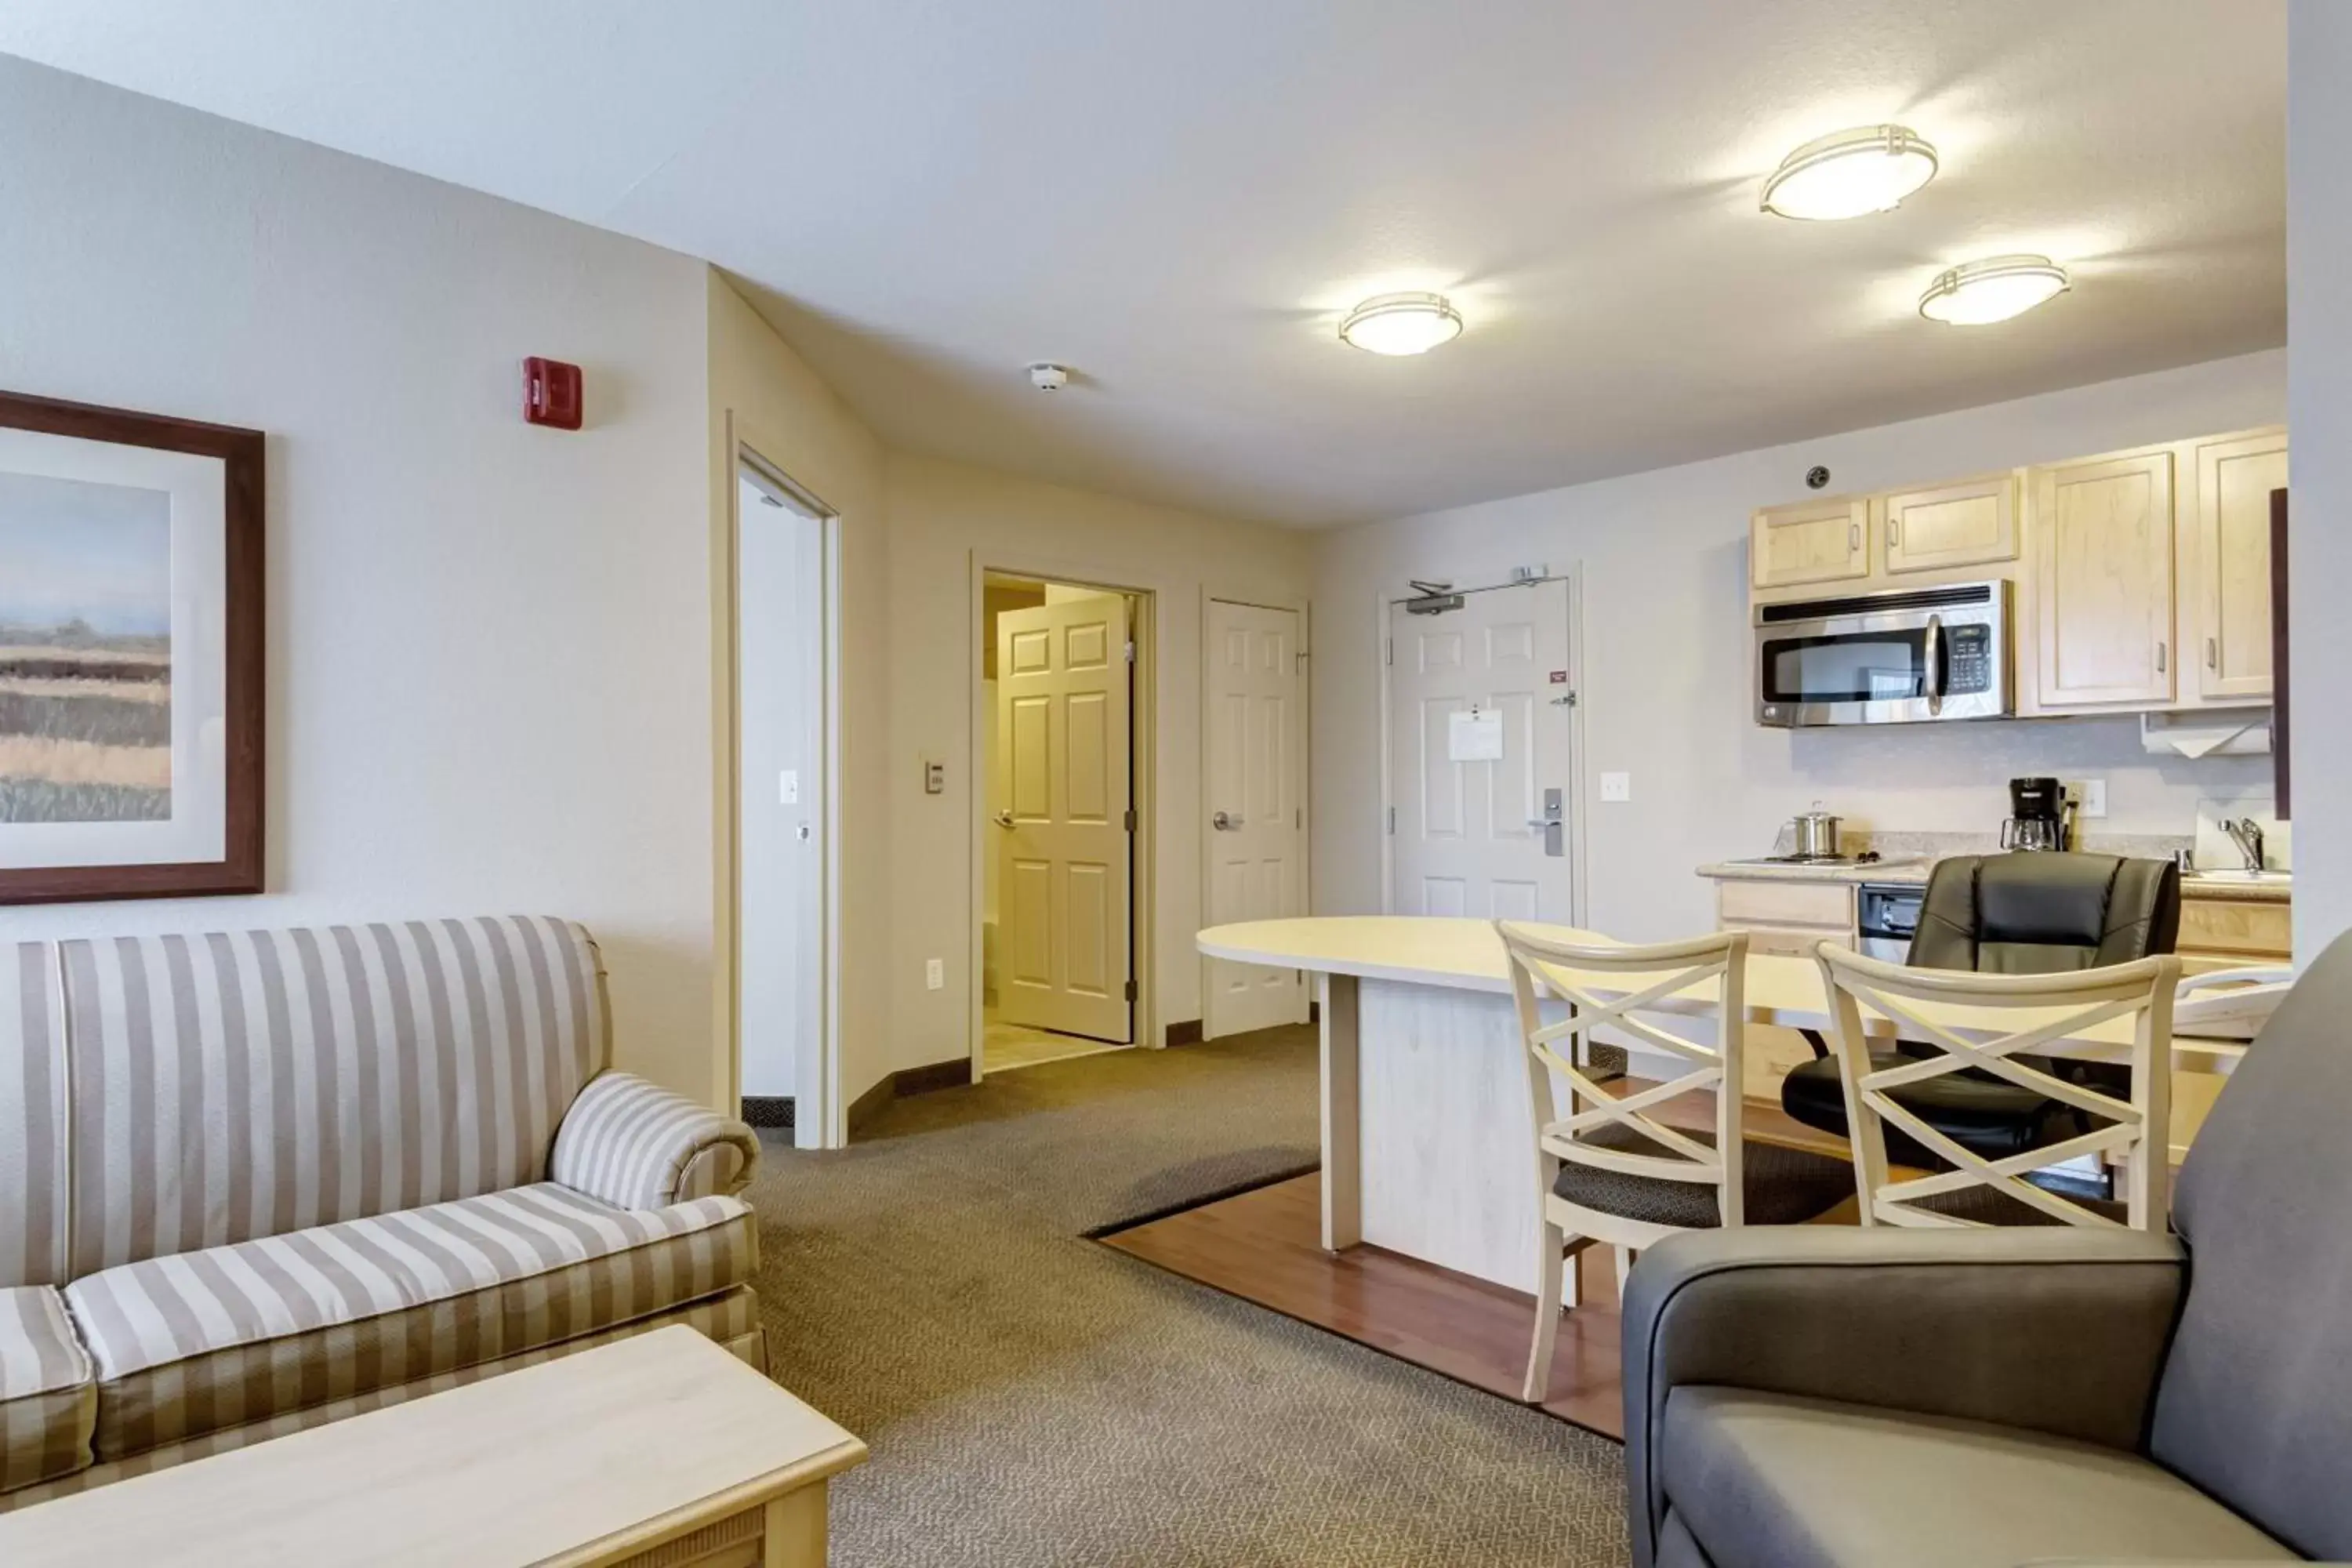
(1479,770)
(1256,814)
(1063,710)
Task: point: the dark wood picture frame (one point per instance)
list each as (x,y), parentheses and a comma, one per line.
(240,868)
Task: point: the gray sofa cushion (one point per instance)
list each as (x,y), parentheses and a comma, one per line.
(2256,1402)
(1773,1479)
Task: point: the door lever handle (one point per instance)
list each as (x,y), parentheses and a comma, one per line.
(1004,819)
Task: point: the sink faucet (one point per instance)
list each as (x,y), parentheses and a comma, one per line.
(2247,835)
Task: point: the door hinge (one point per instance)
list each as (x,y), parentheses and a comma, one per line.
(1130,989)
(1297,817)
(1390,644)
(1130,650)
(1130,819)
(1393,822)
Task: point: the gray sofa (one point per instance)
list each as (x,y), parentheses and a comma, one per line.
(1801,1396)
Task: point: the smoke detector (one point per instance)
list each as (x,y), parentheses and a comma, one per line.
(1048,377)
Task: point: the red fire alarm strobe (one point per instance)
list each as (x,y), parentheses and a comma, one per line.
(551,393)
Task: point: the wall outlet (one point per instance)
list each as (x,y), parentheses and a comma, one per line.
(2090,797)
(935,973)
(1616,787)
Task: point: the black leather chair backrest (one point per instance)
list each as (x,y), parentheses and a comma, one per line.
(2255,1404)
(2038,913)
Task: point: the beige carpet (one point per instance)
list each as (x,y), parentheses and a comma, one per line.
(1033,1398)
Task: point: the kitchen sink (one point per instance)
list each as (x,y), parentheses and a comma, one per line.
(2242,878)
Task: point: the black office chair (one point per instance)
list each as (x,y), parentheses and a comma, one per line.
(2021,913)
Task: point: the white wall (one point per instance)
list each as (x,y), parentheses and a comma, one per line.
(1665,649)
(767,396)
(943,515)
(2319,404)
(488,666)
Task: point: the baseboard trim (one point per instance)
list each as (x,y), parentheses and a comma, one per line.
(768,1110)
(868,1106)
(1315,1012)
(1187,1032)
(953,1073)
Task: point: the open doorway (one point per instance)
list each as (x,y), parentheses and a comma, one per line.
(784,799)
(1058,866)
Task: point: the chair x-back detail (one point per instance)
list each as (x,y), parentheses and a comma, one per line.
(2132,1131)
(1610,1170)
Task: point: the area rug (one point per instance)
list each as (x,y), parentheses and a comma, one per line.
(1033,1398)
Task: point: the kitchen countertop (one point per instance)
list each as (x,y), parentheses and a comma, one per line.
(1892,869)
(2276,889)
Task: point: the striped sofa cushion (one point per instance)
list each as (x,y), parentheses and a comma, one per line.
(48,1402)
(244,1085)
(32,1118)
(195,1341)
(731,1320)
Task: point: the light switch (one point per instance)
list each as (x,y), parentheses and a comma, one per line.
(1616,787)
(788,787)
(2091,797)
(935,973)
(935,777)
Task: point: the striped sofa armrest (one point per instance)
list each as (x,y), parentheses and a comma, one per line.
(636,1145)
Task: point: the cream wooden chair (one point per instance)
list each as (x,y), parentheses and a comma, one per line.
(2230,1004)
(1978,1191)
(1609,1173)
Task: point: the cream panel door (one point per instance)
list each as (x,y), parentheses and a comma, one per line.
(2230,640)
(2104,597)
(1813,542)
(1063,840)
(1466,837)
(1969,525)
(1256,824)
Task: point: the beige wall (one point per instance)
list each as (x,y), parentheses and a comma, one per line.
(947,521)
(776,406)
(1665,647)
(487,667)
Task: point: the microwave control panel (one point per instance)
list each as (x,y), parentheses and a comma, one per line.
(1967,660)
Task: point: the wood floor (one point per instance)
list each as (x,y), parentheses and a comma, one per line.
(1265,1246)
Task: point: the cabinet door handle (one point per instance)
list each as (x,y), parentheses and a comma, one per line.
(1893,533)
(1853,537)
(2159,659)
(2212,653)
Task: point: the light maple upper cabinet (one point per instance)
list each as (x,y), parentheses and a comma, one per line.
(1811,541)
(1973,523)
(2226,611)
(2103,591)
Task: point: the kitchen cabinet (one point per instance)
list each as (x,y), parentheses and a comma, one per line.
(1811,541)
(1785,917)
(2104,583)
(1973,523)
(2226,614)
(2219,933)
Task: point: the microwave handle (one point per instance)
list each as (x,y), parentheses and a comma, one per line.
(1932,655)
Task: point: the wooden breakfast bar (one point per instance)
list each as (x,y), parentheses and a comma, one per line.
(1427,1147)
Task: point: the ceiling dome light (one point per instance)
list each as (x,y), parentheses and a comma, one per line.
(1852,173)
(1402,324)
(1982,292)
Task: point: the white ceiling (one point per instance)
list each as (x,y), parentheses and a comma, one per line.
(1178,200)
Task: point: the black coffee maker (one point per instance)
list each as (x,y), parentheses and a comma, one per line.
(2040,815)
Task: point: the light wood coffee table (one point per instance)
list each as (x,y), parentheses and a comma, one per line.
(661,1450)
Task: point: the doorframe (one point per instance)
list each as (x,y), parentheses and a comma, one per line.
(1399,589)
(1303,734)
(1143,770)
(820,1114)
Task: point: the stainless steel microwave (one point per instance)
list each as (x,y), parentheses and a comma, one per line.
(1899,658)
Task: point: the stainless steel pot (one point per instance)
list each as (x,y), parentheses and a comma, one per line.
(1815,832)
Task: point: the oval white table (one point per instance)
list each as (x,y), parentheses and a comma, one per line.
(1426,1137)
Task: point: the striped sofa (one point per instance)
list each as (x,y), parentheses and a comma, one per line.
(250,1183)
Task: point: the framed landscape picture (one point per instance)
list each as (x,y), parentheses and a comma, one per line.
(131,655)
